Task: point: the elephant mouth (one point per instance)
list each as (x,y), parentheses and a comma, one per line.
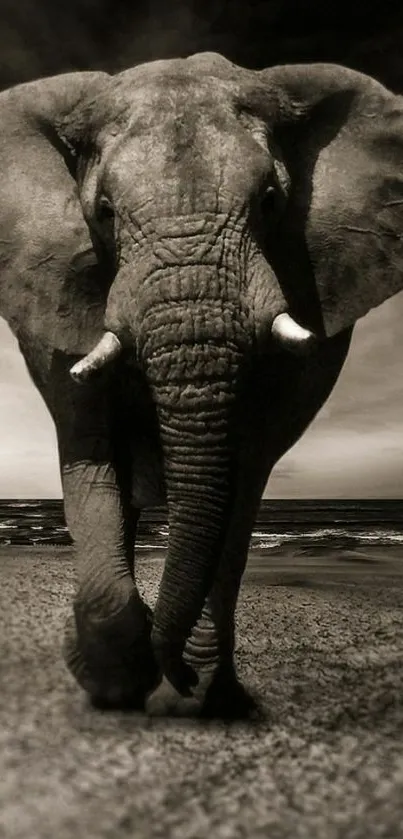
(285,332)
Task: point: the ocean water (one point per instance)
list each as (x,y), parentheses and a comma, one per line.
(306,523)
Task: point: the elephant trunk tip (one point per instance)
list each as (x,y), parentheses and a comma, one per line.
(290,335)
(106,350)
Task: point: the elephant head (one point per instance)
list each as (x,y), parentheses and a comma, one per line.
(232,213)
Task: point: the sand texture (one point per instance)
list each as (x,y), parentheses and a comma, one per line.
(320,642)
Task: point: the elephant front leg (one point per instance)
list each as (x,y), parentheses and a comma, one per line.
(210,686)
(107,642)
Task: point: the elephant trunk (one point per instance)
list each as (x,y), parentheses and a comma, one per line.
(192,349)
(195,425)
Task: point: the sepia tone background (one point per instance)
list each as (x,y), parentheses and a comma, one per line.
(355,446)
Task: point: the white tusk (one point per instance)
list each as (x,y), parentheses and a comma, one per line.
(108,348)
(287,332)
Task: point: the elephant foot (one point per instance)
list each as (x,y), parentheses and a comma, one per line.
(111,658)
(228,699)
(215,693)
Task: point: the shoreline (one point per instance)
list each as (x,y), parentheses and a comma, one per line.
(285,557)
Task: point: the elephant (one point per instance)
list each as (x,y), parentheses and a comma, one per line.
(186,246)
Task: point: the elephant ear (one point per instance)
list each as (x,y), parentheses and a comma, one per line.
(52,289)
(342,137)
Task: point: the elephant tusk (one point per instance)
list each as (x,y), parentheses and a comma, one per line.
(287,332)
(106,350)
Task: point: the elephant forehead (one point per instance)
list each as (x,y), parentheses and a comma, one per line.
(184,133)
(155,101)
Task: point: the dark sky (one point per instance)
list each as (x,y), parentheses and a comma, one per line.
(41,37)
(355,446)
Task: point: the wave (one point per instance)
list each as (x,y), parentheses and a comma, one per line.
(37,535)
(327,537)
(306,523)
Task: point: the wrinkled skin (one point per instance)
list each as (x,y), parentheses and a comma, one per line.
(183,205)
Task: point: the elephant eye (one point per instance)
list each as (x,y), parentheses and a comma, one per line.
(269,199)
(105,211)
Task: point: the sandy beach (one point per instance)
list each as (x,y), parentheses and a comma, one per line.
(320,644)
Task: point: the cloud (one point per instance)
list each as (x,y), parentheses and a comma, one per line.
(341,463)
